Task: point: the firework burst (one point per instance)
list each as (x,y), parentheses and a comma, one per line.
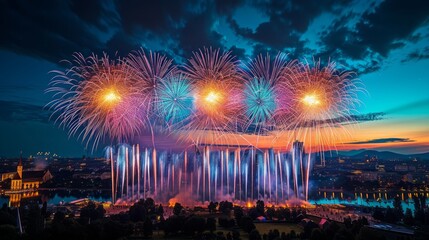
(175,101)
(96,98)
(217,92)
(322,96)
(149,70)
(260,101)
(263,95)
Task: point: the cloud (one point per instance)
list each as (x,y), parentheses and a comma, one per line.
(287,22)
(121,44)
(47,29)
(53,30)
(332,122)
(422,104)
(388,26)
(383,30)
(368,117)
(345,120)
(383,140)
(94,12)
(22,112)
(161,17)
(239,53)
(197,33)
(418,54)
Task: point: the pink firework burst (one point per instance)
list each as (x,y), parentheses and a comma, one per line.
(96,99)
(217,93)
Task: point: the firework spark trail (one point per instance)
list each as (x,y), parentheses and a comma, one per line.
(265,98)
(96,99)
(321,95)
(148,71)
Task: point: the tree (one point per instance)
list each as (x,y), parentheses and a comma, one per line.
(416,202)
(419,216)
(246,223)
(294,214)
(254,235)
(253,213)
(364,220)
(147,228)
(226,222)
(177,209)
(91,212)
(6,216)
(260,205)
(100,211)
(9,232)
(397,206)
(173,224)
(44,210)
(422,201)
(366,233)
(347,222)
(160,210)
(238,213)
(115,230)
(308,228)
(149,204)
(378,214)
(332,230)
(59,217)
(270,213)
(408,217)
(194,224)
(225,207)
(344,234)
(138,212)
(390,216)
(426,212)
(211,224)
(212,207)
(317,234)
(34,221)
(236,235)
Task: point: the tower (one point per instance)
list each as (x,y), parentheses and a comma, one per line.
(19,167)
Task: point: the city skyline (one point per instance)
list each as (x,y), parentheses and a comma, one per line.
(391,63)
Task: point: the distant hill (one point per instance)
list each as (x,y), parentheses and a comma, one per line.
(380,154)
(344,153)
(421,155)
(362,153)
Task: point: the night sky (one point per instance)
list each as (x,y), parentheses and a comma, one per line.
(385,42)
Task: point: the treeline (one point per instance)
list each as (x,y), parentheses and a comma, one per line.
(145,219)
(418,218)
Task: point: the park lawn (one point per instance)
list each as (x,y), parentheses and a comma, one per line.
(282,227)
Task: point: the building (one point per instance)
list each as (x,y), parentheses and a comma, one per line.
(21,180)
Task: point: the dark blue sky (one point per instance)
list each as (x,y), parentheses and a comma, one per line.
(385,42)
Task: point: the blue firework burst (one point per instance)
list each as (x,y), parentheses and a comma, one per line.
(175,100)
(259,100)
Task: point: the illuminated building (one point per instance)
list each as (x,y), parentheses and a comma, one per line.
(23,180)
